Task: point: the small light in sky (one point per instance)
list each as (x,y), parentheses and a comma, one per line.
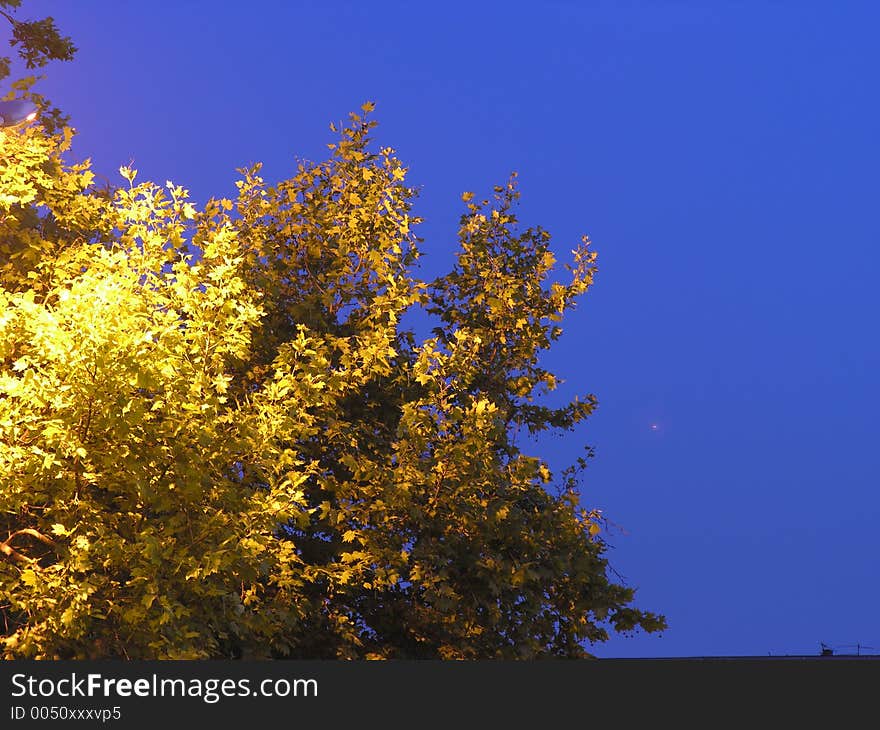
(30,117)
(655,426)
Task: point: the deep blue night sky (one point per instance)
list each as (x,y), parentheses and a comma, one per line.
(723,158)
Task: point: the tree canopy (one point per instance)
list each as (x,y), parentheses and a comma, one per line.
(218,439)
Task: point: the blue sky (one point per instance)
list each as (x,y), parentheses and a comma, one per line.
(723,158)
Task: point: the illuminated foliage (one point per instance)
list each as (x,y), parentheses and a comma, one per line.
(217,438)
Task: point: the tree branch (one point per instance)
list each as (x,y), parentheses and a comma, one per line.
(37,535)
(16,557)
(12,554)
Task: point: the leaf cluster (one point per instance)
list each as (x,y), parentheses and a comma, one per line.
(218,439)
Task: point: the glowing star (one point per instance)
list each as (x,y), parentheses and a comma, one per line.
(654,427)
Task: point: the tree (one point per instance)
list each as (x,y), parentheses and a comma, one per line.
(217,439)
